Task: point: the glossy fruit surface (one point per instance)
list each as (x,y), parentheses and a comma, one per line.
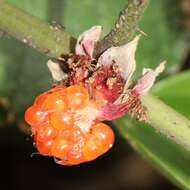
(99,142)
(57,121)
(77,96)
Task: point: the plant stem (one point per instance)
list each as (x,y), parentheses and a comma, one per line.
(167,121)
(53,41)
(48,39)
(125,27)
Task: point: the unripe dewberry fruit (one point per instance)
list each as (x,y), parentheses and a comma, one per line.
(64,126)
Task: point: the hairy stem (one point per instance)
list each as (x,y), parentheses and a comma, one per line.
(167,121)
(48,39)
(125,26)
(164,119)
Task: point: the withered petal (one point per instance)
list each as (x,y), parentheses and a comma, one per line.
(86,41)
(123,57)
(149,76)
(56,71)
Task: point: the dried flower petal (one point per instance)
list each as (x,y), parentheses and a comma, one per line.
(56,71)
(86,41)
(148,79)
(123,57)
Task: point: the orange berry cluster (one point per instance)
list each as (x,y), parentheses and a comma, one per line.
(55,127)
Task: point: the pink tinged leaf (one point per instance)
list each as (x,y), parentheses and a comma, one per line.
(87,40)
(148,79)
(123,57)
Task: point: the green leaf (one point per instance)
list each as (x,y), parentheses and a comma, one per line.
(176,92)
(102,12)
(170,158)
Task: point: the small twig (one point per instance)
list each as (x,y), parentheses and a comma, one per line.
(125,27)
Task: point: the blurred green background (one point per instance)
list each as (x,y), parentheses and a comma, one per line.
(23,75)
